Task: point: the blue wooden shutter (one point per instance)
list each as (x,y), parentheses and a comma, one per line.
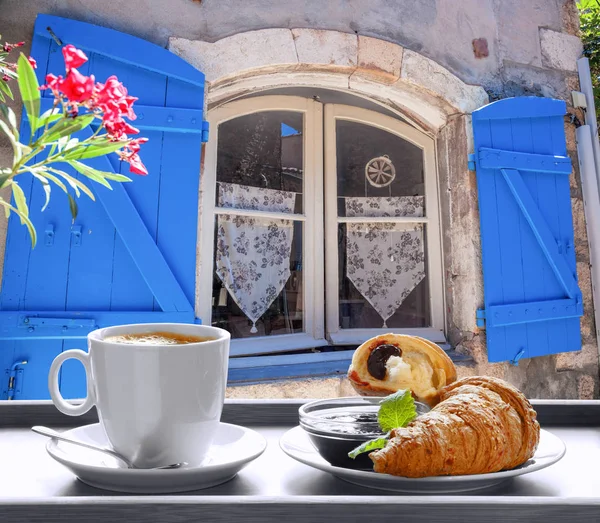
(532,301)
(130,257)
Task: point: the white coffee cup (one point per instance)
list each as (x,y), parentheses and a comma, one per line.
(158,404)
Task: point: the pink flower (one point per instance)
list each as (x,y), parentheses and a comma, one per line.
(112,99)
(7,47)
(32,62)
(136,166)
(52,82)
(19,44)
(119,129)
(77,87)
(73,57)
(111,90)
(6,78)
(126,107)
(134,145)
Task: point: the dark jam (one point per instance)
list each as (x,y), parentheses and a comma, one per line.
(379,357)
(358,423)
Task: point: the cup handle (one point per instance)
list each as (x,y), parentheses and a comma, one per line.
(60,403)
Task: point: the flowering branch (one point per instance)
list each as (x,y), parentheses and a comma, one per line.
(79,101)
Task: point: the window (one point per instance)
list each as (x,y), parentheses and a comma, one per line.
(320,225)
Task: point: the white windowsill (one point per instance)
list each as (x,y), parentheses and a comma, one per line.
(274,343)
(356,336)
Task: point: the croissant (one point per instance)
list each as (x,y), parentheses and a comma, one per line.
(481,425)
(384,364)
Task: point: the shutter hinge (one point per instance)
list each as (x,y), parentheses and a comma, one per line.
(472,164)
(12,373)
(480,318)
(205,129)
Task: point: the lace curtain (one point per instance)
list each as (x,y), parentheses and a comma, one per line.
(385,261)
(253,254)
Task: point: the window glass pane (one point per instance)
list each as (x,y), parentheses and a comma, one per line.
(258,280)
(375,163)
(382,276)
(263,150)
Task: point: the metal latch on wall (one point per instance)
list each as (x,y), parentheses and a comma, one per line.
(14,384)
(49,235)
(76,235)
(480,318)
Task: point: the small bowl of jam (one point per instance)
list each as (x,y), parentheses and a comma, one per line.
(339,425)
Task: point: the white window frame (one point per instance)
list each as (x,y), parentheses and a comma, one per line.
(435,333)
(312,256)
(320,272)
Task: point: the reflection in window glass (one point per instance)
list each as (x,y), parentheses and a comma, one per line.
(367,156)
(263,150)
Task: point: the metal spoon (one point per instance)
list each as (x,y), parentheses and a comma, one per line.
(45,431)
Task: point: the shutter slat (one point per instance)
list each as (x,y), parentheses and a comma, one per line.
(510,229)
(141,245)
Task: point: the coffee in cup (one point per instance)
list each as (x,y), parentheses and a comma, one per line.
(158,388)
(156,338)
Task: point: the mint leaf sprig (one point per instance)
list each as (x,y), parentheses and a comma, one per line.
(395,411)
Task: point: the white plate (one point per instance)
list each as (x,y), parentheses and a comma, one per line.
(296,444)
(234,447)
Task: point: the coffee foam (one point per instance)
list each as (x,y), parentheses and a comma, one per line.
(156,338)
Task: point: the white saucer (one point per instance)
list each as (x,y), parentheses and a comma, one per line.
(233,449)
(296,444)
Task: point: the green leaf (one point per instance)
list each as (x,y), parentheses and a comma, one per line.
(368,446)
(94,149)
(30,91)
(66,127)
(20,200)
(73,207)
(24,219)
(93,174)
(71,144)
(396,410)
(115,176)
(74,183)
(4,87)
(16,145)
(50,116)
(56,180)
(45,186)
(4,177)
(11,118)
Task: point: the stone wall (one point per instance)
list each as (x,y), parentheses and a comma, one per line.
(428,52)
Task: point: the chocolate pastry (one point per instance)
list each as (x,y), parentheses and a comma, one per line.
(481,425)
(390,362)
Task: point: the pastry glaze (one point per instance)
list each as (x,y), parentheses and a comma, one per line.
(423,368)
(481,425)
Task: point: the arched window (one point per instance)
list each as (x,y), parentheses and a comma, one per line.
(320,225)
